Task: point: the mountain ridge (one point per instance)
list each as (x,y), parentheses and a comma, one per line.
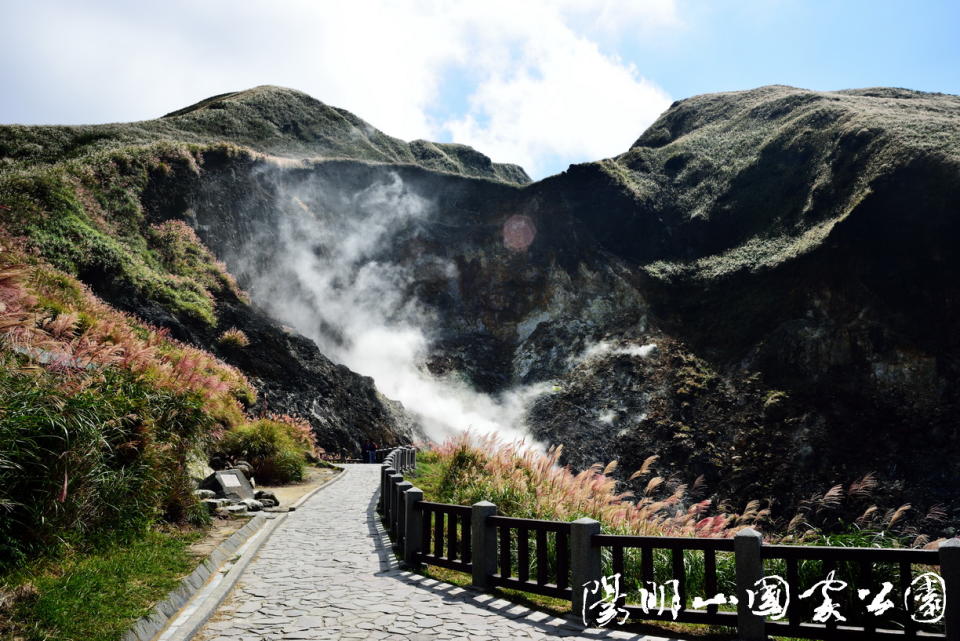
(268,119)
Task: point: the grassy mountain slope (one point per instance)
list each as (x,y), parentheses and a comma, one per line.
(271,120)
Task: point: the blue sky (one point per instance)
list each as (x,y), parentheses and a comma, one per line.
(543,83)
(815,44)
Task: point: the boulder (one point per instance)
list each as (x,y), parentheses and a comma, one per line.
(260,495)
(244,467)
(213,505)
(204,494)
(198,469)
(231,484)
(252,505)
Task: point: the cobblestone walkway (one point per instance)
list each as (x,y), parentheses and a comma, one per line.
(327,572)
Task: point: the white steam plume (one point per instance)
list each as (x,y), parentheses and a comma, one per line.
(322,271)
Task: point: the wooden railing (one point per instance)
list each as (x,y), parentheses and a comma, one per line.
(445,535)
(572,560)
(861,565)
(679,549)
(543,573)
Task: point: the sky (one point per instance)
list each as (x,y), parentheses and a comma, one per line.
(540,83)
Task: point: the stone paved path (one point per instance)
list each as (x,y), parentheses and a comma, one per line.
(327,572)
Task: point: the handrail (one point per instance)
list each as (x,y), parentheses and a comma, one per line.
(667,542)
(836,553)
(532,524)
(445,507)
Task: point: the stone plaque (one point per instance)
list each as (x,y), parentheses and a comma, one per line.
(229,480)
(231,484)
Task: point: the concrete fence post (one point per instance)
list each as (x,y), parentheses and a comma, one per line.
(392,501)
(584,560)
(385,473)
(414,458)
(388,471)
(399,522)
(380,491)
(413,527)
(950,571)
(748,560)
(483,539)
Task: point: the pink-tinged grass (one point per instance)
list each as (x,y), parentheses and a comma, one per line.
(530,484)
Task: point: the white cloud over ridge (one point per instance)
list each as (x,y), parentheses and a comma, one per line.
(533,82)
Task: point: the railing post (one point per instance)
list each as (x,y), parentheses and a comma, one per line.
(413,527)
(414,458)
(584,559)
(483,539)
(747,544)
(392,502)
(385,472)
(950,571)
(399,521)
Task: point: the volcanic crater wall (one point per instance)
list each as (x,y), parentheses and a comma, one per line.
(760,291)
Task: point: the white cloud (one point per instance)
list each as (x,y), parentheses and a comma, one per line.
(561,98)
(540,88)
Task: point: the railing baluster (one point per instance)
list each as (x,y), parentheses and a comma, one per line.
(618,568)
(437,534)
(451,536)
(906,575)
(465,548)
(866,582)
(542,555)
(710,577)
(563,560)
(504,551)
(680,574)
(829,566)
(425,530)
(646,566)
(523,554)
(793,581)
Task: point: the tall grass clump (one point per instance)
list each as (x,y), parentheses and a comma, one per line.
(98,414)
(235,338)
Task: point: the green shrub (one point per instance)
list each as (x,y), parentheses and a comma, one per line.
(91,456)
(270,446)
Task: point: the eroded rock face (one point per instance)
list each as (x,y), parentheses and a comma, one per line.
(761,290)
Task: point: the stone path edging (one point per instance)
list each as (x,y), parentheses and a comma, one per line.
(187,608)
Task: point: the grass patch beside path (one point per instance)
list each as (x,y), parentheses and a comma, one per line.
(96,596)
